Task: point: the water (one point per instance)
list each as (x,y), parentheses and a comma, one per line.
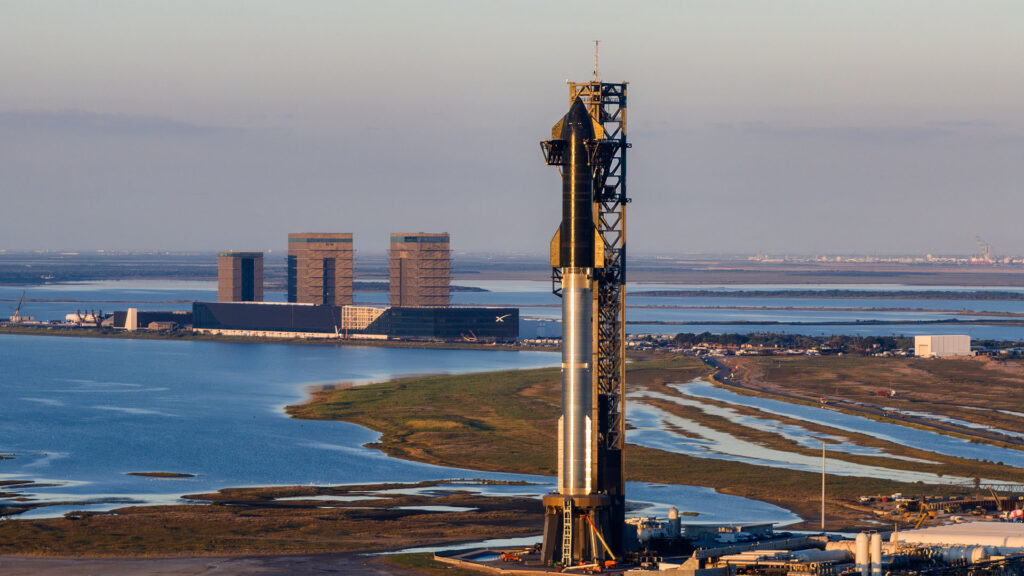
(82,413)
(642,286)
(643,312)
(975,331)
(794,433)
(656,428)
(79,414)
(85,412)
(110,295)
(895,433)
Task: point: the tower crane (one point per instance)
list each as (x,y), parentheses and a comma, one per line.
(986,250)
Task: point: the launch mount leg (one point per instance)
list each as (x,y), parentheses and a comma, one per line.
(567,533)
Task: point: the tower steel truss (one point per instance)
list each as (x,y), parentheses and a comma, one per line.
(606,103)
(596,162)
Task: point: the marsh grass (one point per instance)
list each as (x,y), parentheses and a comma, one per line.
(509,426)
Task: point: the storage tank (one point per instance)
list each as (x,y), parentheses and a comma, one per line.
(674,523)
(815,555)
(972,554)
(876,554)
(862,558)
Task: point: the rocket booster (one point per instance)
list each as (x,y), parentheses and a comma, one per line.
(575,250)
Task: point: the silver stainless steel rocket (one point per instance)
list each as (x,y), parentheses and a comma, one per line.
(575,513)
(573,253)
(584,518)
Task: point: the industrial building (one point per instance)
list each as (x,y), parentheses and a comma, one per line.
(467,324)
(942,346)
(134,319)
(262,317)
(359,317)
(420,270)
(240,277)
(668,548)
(286,320)
(320,268)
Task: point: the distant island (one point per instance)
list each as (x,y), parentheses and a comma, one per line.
(851,294)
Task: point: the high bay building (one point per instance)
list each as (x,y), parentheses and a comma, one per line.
(320,295)
(281,320)
(320,268)
(240,277)
(420,270)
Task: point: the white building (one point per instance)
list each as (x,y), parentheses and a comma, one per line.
(995,537)
(941,346)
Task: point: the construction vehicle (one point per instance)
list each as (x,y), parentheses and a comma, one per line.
(510,557)
(926,513)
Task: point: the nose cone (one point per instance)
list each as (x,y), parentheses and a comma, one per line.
(577,122)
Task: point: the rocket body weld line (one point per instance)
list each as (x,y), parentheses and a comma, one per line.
(571,484)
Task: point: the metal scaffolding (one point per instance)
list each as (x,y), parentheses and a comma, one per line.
(420,270)
(607,105)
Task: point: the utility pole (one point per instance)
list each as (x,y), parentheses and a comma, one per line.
(823,487)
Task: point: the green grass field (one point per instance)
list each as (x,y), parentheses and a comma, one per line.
(505,421)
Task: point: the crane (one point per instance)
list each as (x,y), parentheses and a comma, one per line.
(926,513)
(986,249)
(999,503)
(17,311)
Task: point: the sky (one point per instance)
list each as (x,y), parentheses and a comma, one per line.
(802,127)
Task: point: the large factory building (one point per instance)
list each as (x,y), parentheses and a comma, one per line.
(320,268)
(133,318)
(240,277)
(242,317)
(468,324)
(320,295)
(420,270)
(319,321)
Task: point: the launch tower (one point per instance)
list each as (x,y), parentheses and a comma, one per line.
(584,519)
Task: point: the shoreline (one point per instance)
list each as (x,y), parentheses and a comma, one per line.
(525,400)
(467,437)
(89,332)
(283,521)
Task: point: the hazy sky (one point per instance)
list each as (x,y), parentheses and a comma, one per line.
(831,126)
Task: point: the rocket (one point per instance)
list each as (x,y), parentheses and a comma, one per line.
(588,505)
(576,250)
